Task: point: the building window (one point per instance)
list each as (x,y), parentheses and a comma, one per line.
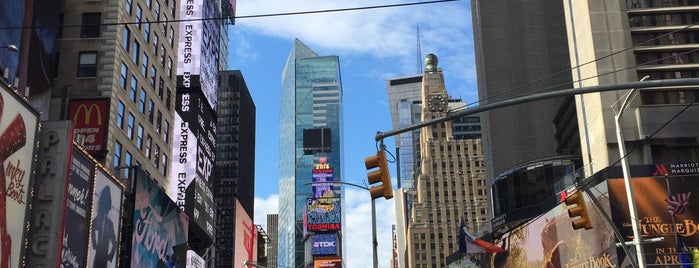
(130,125)
(150,111)
(158,122)
(156,156)
(146,31)
(168,98)
(135,52)
(166,130)
(139,14)
(152,76)
(161,87)
(132,92)
(164,25)
(171,36)
(172,8)
(142,101)
(127,162)
(127,38)
(149,142)
(128,6)
(120,115)
(144,65)
(157,11)
(139,137)
(87,64)
(123,76)
(149,3)
(117,154)
(90,25)
(155,44)
(163,168)
(169,67)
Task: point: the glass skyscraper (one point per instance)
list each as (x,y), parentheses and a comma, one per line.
(311,99)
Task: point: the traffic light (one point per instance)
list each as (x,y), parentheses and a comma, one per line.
(381,175)
(579,210)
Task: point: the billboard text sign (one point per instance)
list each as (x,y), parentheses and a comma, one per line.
(90,120)
(323,214)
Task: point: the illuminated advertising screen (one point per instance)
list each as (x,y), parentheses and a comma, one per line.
(18,125)
(78,207)
(157,218)
(48,200)
(200,208)
(322,190)
(199,47)
(324,244)
(184,151)
(194,110)
(106,215)
(327,262)
(90,118)
(650,195)
(245,247)
(323,214)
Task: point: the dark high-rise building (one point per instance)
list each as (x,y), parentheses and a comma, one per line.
(521,48)
(273,235)
(235,160)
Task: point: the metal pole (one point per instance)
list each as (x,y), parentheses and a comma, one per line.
(633,212)
(375,242)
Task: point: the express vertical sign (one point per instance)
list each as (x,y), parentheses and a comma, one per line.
(90,120)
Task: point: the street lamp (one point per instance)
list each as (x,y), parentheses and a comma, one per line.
(373,215)
(640,258)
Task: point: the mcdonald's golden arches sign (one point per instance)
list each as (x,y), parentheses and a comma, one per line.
(90,118)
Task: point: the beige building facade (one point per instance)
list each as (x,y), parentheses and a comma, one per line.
(124,51)
(624,41)
(451,184)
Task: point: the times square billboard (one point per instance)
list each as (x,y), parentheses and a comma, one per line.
(18,133)
(194,140)
(550,241)
(197,64)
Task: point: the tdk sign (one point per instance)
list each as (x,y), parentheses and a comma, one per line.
(324,244)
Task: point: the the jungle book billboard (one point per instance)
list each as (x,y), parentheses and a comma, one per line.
(550,241)
(655,220)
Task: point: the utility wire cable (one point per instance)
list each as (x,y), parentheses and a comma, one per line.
(237,17)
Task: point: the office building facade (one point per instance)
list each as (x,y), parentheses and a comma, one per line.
(650,38)
(311,101)
(521,48)
(235,159)
(272,244)
(122,64)
(451,184)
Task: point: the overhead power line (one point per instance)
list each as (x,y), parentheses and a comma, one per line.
(239,17)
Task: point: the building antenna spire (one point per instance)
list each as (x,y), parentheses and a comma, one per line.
(419,51)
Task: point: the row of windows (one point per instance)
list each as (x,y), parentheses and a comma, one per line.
(128,159)
(136,134)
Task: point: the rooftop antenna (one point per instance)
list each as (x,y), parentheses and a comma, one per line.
(419,51)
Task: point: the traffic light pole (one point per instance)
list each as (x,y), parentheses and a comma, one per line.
(540,96)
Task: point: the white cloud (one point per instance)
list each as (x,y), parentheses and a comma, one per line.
(357,236)
(384,34)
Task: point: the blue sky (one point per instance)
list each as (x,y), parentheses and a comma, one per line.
(373,45)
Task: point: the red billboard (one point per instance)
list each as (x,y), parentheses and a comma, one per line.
(327,262)
(245,247)
(18,125)
(90,118)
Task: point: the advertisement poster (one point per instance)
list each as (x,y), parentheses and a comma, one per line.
(655,218)
(104,231)
(194,260)
(200,207)
(322,190)
(327,262)
(78,205)
(323,214)
(184,154)
(90,118)
(160,228)
(245,237)
(324,244)
(550,241)
(18,125)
